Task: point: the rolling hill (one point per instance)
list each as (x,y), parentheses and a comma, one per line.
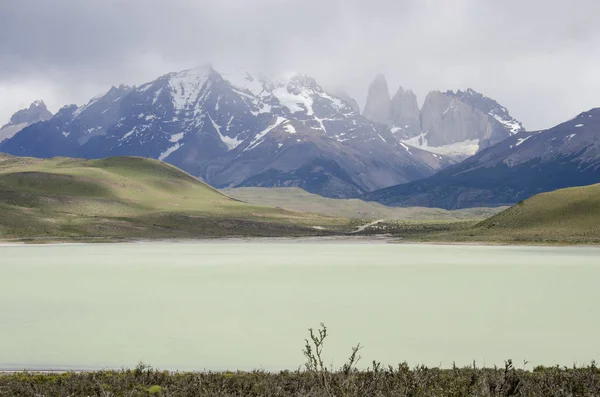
(565,216)
(130,197)
(568,215)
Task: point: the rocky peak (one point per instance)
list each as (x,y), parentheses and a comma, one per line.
(465,118)
(379,105)
(36,112)
(405,115)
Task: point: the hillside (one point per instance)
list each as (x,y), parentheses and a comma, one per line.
(567,215)
(297,199)
(128,197)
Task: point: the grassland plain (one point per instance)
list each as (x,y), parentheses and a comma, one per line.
(132,198)
(294,198)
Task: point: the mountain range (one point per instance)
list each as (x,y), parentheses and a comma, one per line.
(460,149)
(512,170)
(237,129)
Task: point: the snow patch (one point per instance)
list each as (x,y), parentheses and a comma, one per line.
(176,137)
(293,101)
(258,139)
(66,134)
(169,151)
(128,134)
(511,124)
(231,143)
(465,148)
(570,137)
(186,86)
(407,149)
(521,140)
(289,128)
(579,126)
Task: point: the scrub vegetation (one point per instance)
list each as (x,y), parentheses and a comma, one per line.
(317,380)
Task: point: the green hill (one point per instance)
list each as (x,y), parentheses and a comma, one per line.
(565,215)
(129,197)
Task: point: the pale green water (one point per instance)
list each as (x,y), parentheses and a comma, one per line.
(245,305)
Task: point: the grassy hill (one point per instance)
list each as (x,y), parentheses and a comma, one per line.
(565,216)
(128,197)
(568,215)
(296,199)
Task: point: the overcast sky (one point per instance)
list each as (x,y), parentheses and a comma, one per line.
(539,58)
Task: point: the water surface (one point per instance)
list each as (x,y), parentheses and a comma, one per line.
(247,304)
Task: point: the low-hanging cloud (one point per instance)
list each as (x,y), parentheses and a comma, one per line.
(538,58)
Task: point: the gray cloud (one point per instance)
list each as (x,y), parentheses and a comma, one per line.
(538,58)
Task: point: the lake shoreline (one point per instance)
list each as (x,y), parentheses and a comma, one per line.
(331,239)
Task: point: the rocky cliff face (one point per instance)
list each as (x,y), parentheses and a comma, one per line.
(448,118)
(36,112)
(379,106)
(456,124)
(445,120)
(405,114)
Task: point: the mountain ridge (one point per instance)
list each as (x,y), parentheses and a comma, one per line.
(515,169)
(235,130)
(452,123)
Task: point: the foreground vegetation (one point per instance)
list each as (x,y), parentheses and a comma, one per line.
(128,197)
(398,381)
(315,380)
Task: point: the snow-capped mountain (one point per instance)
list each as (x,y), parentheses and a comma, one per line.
(456,124)
(517,168)
(237,129)
(36,112)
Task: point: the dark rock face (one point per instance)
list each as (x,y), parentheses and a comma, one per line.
(235,130)
(36,112)
(515,169)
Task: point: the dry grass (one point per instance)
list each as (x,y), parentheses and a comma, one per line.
(300,200)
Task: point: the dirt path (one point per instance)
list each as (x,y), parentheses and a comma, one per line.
(363,227)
